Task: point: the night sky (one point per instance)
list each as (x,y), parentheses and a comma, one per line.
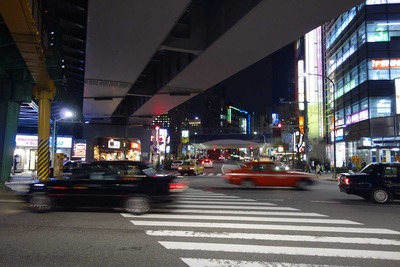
(257,88)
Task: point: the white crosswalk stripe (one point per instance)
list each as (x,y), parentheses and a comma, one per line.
(230,225)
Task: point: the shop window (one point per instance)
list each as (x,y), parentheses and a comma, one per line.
(380,107)
(364,104)
(355,108)
(377,31)
(378,74)
(361,35)
(394,73)
(363,71)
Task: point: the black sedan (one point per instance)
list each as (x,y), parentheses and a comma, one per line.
(128,184)
(378,182)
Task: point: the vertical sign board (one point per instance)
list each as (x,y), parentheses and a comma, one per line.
(300,77)
(397,86)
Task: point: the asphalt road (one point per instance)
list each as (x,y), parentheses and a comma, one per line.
(264,226)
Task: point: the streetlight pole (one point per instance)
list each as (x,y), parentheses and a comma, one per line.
(334,121)
(67,114)
(265,140)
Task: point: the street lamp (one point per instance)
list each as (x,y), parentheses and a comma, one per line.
(334,120)
(265,141)
(67,114)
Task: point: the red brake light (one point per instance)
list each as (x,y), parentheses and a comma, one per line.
(346,181)
(60,187)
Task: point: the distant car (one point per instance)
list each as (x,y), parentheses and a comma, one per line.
(191,167)
(175,164)
(131,185)
(268,173)
(378,182)
(207,163)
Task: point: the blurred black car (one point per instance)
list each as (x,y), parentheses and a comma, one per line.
(128,184)
(69,165)
(378,182)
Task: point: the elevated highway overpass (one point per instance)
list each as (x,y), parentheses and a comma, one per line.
(138,59)
(144,58)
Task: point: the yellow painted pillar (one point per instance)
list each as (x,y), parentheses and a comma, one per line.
(44,96)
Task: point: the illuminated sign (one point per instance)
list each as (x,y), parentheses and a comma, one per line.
(381,34)
(229,115)
(64,142)
(26,140)
(300,85)
(378,64)
(301,124)
(397,85)
(79,149)
(32,141)
(114,144)
(185,137)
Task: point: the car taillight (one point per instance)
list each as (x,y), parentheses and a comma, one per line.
(58,187)
(179,168)
(178,186)
(346,180)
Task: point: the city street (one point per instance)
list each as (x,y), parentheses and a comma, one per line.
(214,223)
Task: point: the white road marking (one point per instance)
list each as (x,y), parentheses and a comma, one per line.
(243,218)
(309,251)
(268,227)
(202,193)
(222,202)
(241,212)
(209,196)
(295,238)
(214,199)
(193,262)
(325,201)
(185,206)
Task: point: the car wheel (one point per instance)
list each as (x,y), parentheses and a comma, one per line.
(248,183)
(137,205)
(302,185)
(40,203)
(380,195)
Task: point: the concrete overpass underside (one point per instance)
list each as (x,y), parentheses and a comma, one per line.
(146,57)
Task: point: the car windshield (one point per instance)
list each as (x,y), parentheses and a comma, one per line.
(368,169)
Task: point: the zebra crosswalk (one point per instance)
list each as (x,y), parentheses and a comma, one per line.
(212,229)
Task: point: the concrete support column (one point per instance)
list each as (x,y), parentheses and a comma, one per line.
(44,96)
(9,112)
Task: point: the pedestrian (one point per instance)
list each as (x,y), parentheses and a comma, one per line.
(350,165)
(318,169)
(307,168)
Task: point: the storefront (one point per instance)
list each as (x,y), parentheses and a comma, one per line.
(25,153)
(109,148)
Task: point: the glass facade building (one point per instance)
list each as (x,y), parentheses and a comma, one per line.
(362,105)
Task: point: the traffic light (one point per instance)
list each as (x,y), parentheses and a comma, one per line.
(277,130)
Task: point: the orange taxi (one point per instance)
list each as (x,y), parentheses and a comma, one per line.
(269,173)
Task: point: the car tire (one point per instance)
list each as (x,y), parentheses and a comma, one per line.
(302,185)
(137,205)
(40,203)
(380,196)
(247,183)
